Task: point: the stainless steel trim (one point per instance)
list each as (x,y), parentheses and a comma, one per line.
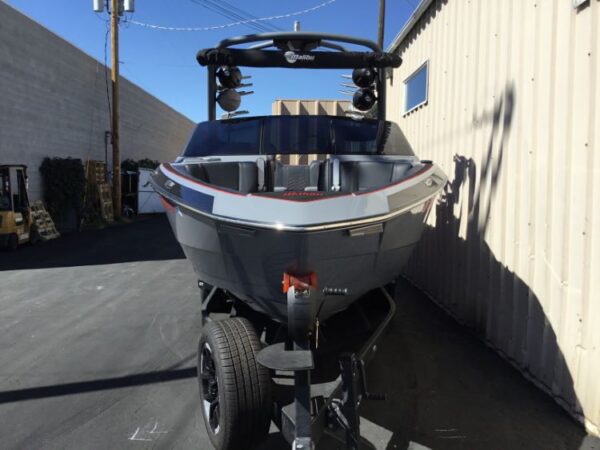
(299,228)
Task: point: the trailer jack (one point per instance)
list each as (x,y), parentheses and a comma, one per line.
(331,408)
(344,411)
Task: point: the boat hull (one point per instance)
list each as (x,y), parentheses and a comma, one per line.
(250,262)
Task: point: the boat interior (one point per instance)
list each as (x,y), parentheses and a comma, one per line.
(273,176)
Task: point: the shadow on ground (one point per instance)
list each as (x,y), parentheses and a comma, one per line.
(173,373)
(447,390)
(151,239)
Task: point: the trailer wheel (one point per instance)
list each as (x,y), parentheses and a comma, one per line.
(235,390)
(13,242)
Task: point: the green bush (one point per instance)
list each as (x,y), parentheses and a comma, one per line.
(63,180)
(148,163)
(133,166)
(129,165)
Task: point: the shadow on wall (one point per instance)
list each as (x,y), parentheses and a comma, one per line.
(479,290)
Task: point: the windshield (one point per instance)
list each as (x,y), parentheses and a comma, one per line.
(297,135)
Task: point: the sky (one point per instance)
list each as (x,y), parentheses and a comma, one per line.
(163,62)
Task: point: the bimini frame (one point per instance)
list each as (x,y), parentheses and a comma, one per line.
(296,50)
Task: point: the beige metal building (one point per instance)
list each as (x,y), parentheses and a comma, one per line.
(503,94)
(288,107)
(283,107)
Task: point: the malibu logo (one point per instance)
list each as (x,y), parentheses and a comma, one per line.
(292,57)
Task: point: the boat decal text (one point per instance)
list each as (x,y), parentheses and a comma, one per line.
(292,57)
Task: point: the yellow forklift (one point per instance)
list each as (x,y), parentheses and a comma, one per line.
(16,221)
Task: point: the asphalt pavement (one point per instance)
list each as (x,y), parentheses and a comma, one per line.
(98,334)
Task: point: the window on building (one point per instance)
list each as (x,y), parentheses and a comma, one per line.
(415,88)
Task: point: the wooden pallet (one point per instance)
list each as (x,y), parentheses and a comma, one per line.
(95,172)
(43,222)
(106,204)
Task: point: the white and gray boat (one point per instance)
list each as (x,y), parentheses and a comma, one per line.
(244,219)
(338,223)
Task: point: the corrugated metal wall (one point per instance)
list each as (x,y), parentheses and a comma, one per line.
(513,249)
(285,107)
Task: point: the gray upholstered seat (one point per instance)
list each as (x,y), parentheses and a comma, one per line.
(288,177)
(359,176)
(238,176)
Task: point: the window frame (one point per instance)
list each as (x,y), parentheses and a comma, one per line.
(406,80)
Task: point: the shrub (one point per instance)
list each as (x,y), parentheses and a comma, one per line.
(148,163)
(133,166)
(63,180)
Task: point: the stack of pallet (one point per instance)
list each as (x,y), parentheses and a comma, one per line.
(106,204)
(44,225)
(99,192)
(95,172)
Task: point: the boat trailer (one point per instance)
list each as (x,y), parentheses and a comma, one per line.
(315,404)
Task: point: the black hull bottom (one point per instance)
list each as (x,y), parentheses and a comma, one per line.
(250,262)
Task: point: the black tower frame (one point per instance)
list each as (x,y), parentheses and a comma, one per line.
(294,50)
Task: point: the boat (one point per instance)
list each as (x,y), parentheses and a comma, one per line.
(295,217)
(245,220)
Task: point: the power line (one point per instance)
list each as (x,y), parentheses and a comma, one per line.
(233,24)
(229,15)
(229,11)
(251,16)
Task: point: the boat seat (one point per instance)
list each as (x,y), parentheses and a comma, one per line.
(360,176)
(238,176)
(287,177)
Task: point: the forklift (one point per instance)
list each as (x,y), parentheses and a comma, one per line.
(16,221)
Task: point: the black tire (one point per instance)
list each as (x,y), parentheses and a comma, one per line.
(13,242)
(235,391)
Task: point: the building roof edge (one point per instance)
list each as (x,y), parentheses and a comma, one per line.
(410,24)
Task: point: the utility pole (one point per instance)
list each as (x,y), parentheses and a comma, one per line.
(116,9)
(116,156)
(381,23)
